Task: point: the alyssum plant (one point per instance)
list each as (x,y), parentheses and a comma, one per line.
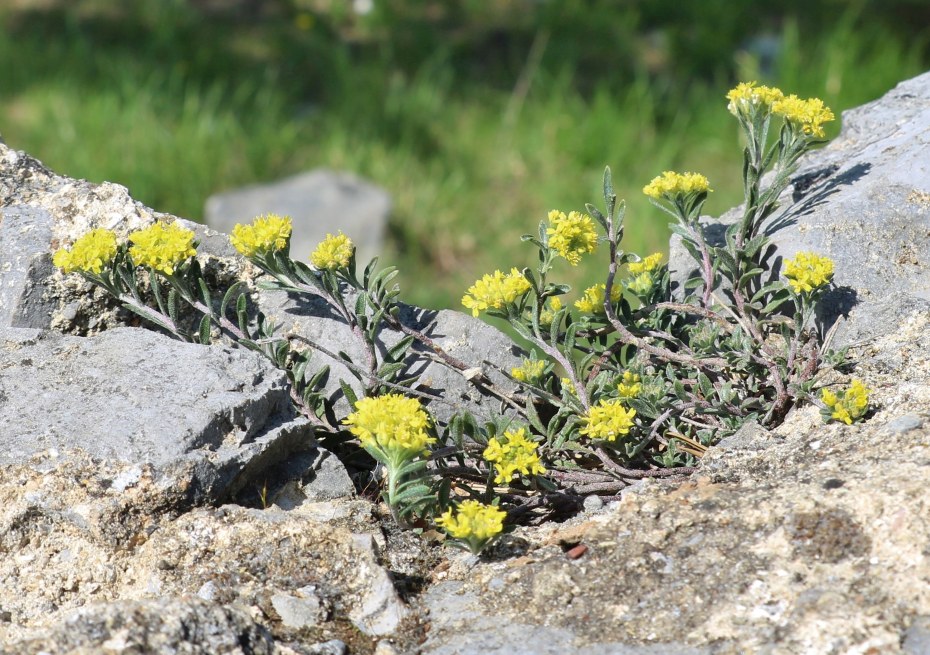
(633,379)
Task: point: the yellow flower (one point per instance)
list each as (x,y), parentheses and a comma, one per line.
(530,371)
(89,254)
(647,265)
(808,271)
(472,520)
(495,291)
(571,236)
(392,425)
(547,315)
(809,115)
(593,300)
(333,253)
(747,98)
(608,420)
(641,284)
(511,454)
(630,386)
(850,406)
(162,247)
(671,184)
(267,233)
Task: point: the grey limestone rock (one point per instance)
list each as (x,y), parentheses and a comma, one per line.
(446,389)
(206,418)
(189,625)
(319,202)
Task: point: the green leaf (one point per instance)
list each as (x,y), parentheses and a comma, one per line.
(205,324)
(205,293)
(528,275)
(773,305)
(228,296)
(150,317)
(369,270)
(399,350)
(771,287)
(173,305)
(319,378)
(751,247)
(360,304)
(387,371)
(533,416)
(748,276)
(568,345)
(349,393)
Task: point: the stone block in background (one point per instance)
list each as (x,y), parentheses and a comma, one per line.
(320,202)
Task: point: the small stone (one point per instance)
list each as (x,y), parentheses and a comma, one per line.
(304,610)
(904,424)
(331,647)
(593,503)
(576,552)
(386,648)
(208,590)
(917,637)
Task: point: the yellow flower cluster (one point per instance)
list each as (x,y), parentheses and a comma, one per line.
(530,371)
(641,271)
(592,302)
(671,184)
(511,454)
(850,406)
(333,253)
(391,424)
(567,385)
(608,420)
(162,247)
(267,233)
(495,291)
(630,386)
(808,271)
(473,521)
(809,115)
(571,236)
(647,265)
(547,315)
(747,97)
(89,254)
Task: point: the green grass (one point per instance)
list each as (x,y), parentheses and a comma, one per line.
(470,167)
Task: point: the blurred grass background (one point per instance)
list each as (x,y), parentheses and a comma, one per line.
(477,116)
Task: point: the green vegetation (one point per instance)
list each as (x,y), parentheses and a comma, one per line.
(478,117)
(629,381)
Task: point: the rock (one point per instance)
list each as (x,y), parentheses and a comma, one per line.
(917,638)
(864,201)
(191,626)
(71,541)
(459,627)
(204,418)
(332,647)
(811,544)
(25,233)
(905,423)
(320,202)
(62,209)
(285,557)
(302,610)
(461,336)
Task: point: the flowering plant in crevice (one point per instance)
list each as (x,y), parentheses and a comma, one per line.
(629,378)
